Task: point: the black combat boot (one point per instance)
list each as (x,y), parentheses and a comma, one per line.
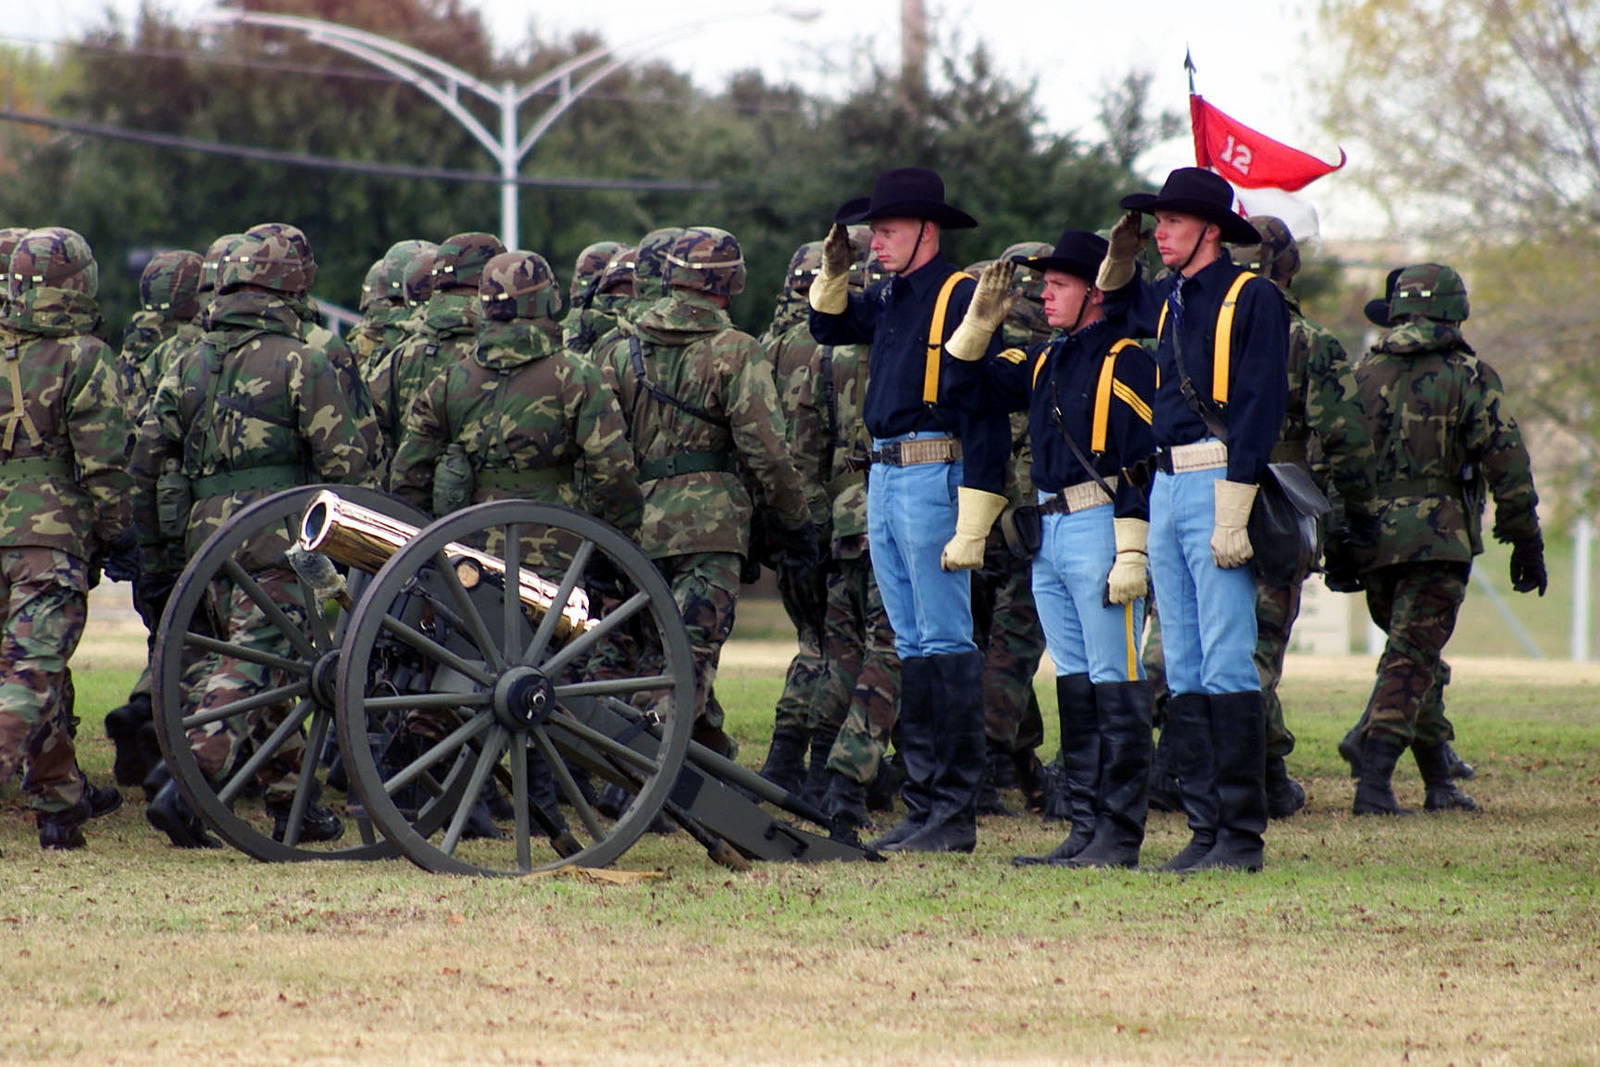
(785,765)
(1285,796)
(1459,768)
(997,767)
(63,830)
(132,731)
(171,814)
(1375,791)
(318,824)
(1080,766)
(1164,795)
(1126,746)
(1239,755)
(1350,748)
(1438,782)
(844,800)
(1188,730)
(956,696)
(916,747)
(816,772)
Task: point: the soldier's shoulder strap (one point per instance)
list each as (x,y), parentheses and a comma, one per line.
(1222,350)
(636,359)
(1105,386)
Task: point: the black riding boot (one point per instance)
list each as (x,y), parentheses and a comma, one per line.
(916,746)
(1438,781)
(956,696)
(1239,753)
(1375,790)
(1188,730)
(785,766)
(1080,766)
(1126,745)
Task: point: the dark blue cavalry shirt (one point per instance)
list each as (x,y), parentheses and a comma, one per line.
(894,317)
(1056,382)
(1258,387)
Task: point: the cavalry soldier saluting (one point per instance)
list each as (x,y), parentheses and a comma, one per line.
(934,488)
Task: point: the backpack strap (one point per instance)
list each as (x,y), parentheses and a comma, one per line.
(941,307)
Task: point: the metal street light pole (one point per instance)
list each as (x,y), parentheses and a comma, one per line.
(443,82)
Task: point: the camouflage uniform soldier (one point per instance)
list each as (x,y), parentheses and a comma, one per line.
(792,354)
(62,468)
(585,324)
(646,267)
(862,685)
(1324,424)
(251,410)
(417,284)
(1442,434)
(449,329)
(169,291)
(533,420)
(383,304)
(700,405)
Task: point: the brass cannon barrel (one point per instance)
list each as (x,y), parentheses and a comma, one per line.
(360,537)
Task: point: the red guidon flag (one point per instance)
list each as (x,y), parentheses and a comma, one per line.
(1249,159)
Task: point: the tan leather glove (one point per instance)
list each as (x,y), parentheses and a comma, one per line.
(1126,240)
(991,302)
(976,511)
(1230,541)
(1130,571)
(830,291)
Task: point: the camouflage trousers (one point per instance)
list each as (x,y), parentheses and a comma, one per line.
(43,593)
(1008,630)
(807,669)
(224,680)
(862,683)
(705,586)
(1416,605)
(1276,609)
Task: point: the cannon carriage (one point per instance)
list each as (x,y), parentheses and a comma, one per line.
(383,671)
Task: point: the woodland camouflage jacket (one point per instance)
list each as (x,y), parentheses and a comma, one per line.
(63,451)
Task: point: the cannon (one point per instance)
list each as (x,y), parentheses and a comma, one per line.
(496,692)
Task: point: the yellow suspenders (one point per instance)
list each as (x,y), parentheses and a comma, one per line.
(1222,358)
(1105,385)
(930,372)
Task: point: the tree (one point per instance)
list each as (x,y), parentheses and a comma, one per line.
(1485,110)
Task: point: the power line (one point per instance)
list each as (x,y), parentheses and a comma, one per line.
(382,170)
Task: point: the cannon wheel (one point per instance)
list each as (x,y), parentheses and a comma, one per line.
(520,697)
(187,633)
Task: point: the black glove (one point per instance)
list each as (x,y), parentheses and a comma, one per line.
(1341,563)
(605,580)
(120,559)
(798,555)
(1527,565)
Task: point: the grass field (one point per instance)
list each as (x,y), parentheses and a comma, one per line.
(1441,939)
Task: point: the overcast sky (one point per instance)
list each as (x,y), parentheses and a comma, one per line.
(1255,58)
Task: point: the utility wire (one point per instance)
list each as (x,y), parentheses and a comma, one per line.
(382,170)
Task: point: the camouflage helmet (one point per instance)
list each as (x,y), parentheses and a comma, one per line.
(1430,291)
(460,260)
(1277,257)
(706,260)
(170,285)
(211,262)
(589,269)
(804,266)
(386,279)
(1028,284)
(10,237)
(417,283)
(518,285)
(650,262)
(53,258)
(296,239)
(263,261)
(860,254)
(618,272)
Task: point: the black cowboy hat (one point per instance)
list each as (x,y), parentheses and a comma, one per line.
(1202,193)
(1077,253)
(1377,311)
(906,193)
